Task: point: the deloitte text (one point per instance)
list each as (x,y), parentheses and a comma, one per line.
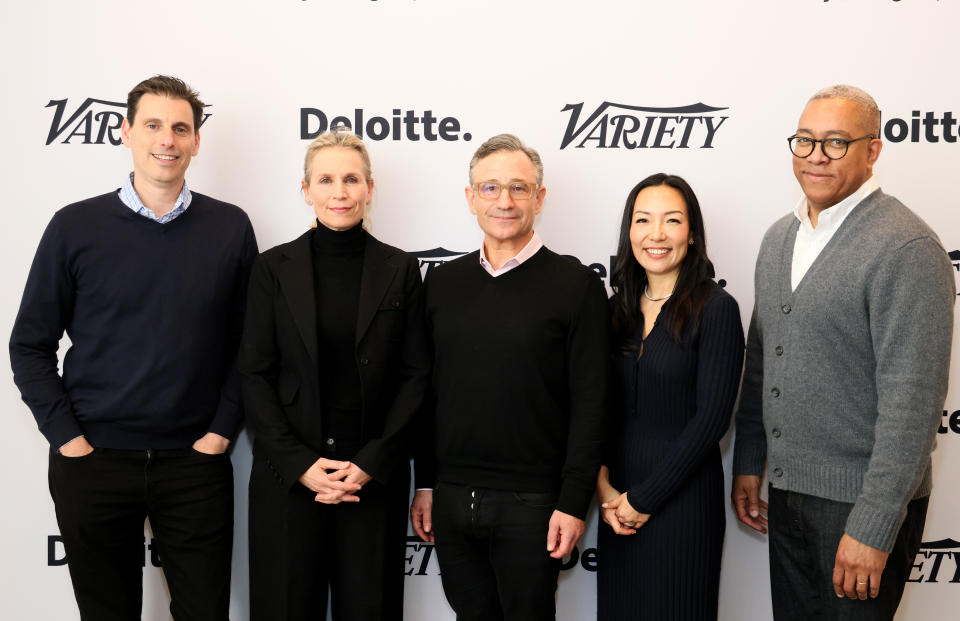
(955,260)
(921,127)
(57,556)
(401,125)
(612,126)
(950,423)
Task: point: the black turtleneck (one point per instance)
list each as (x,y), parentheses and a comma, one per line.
(337,266)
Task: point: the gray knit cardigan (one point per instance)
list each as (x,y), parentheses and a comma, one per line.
(846,376)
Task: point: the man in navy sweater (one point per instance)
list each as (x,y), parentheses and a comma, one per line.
(149,283)
(520,337)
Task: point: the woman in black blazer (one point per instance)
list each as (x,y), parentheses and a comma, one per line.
(334,367)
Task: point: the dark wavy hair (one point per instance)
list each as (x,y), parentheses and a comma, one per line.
(166,86)
(628,278)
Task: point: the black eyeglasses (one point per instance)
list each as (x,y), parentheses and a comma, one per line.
(833,148)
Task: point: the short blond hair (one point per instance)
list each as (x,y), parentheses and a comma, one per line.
(337,139)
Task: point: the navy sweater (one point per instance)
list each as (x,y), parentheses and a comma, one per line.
(154,313)
(520,376)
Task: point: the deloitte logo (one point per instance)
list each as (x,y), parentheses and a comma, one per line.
(921,127)
(399,125)
(950,423)
(955,260)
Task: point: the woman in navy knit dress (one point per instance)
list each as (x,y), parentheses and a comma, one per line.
(678,356)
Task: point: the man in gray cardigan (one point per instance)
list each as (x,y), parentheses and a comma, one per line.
(847,361)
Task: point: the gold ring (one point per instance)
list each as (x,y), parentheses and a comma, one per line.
(861,583)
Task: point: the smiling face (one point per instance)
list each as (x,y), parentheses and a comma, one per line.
(826,182)
(162,140)
(337,189)
(507,222)
(660,231)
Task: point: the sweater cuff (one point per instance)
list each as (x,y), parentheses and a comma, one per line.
(874,526)
(62,430)
(749,457)
(373,459)
(574,500)
(294,466)
(226,421)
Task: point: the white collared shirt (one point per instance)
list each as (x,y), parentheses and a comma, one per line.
(525,253)
(811,241)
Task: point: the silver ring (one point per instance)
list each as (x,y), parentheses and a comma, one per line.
(628,524)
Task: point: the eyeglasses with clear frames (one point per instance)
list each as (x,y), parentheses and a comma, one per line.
(833,148)
(519,190)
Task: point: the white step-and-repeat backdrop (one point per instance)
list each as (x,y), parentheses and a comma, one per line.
(608,92)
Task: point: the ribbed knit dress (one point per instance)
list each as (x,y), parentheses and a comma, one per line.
(676,404)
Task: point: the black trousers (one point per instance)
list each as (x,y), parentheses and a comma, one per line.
(102,500)
(300,547)
(492,550)
(804,534)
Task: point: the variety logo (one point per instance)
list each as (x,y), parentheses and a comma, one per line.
(937,561)
(421,559)
(401,125)
(612,126)
(57,556)
(930,127)
(430,259)
(95,121)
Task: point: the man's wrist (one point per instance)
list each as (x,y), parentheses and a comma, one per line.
(68,442)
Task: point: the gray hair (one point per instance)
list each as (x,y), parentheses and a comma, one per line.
(506,142)
(869,112)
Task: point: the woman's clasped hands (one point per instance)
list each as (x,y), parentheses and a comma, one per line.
(334,481)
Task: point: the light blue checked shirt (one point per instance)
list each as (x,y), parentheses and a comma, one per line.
(130,198)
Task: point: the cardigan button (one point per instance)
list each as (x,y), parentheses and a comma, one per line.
(778,472)
(364,361)
(775,392)
(786,309)
(395,304)
(778,350)
(775,433)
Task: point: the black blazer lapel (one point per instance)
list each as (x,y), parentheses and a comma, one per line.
(376,277)
(295,273)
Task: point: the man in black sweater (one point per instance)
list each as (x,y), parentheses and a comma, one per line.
(520,339)
(149,283)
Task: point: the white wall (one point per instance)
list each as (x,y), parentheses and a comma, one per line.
(494,66)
